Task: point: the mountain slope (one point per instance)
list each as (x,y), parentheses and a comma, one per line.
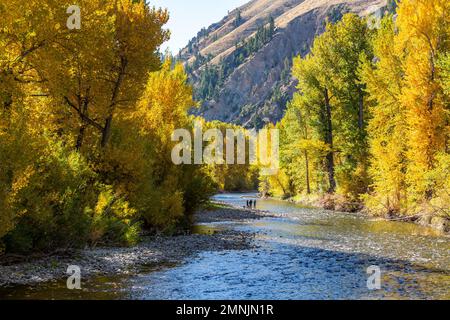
(240,66)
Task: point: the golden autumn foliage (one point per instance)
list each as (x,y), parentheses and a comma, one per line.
(85,123)
(372,114)
(236,176)
(324,131)
(422,28)
(87,116)
(387,128)
(410,127)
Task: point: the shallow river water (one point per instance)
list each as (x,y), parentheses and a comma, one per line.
(303,254)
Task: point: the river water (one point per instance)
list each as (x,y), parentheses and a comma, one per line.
(304,253)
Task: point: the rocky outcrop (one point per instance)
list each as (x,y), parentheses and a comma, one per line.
(256,91)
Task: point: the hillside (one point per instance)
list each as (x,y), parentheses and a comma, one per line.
(240,66)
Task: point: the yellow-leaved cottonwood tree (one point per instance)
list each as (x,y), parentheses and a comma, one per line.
(378,103)
(80,161)
(410,126)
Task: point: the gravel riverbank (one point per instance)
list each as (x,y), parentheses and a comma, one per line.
(151,251)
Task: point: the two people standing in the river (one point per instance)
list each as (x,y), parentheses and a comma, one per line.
(251,204)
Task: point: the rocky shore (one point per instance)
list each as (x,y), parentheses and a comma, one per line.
(151,251)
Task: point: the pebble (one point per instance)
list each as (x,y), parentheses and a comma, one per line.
(152,250)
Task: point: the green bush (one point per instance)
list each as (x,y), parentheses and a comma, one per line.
(62,205)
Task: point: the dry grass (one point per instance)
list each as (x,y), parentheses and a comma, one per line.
(257,12)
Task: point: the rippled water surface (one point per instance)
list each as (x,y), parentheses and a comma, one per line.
(304,254)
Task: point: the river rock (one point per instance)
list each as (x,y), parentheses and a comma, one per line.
(440,223)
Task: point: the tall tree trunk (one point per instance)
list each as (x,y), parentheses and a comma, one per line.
(106,134)
(80,138)
(81,107)
(308,185)
(281,186)
(429,193)
(83,104)
(361,109)
(329,141)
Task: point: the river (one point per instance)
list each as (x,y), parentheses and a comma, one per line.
(303,253)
